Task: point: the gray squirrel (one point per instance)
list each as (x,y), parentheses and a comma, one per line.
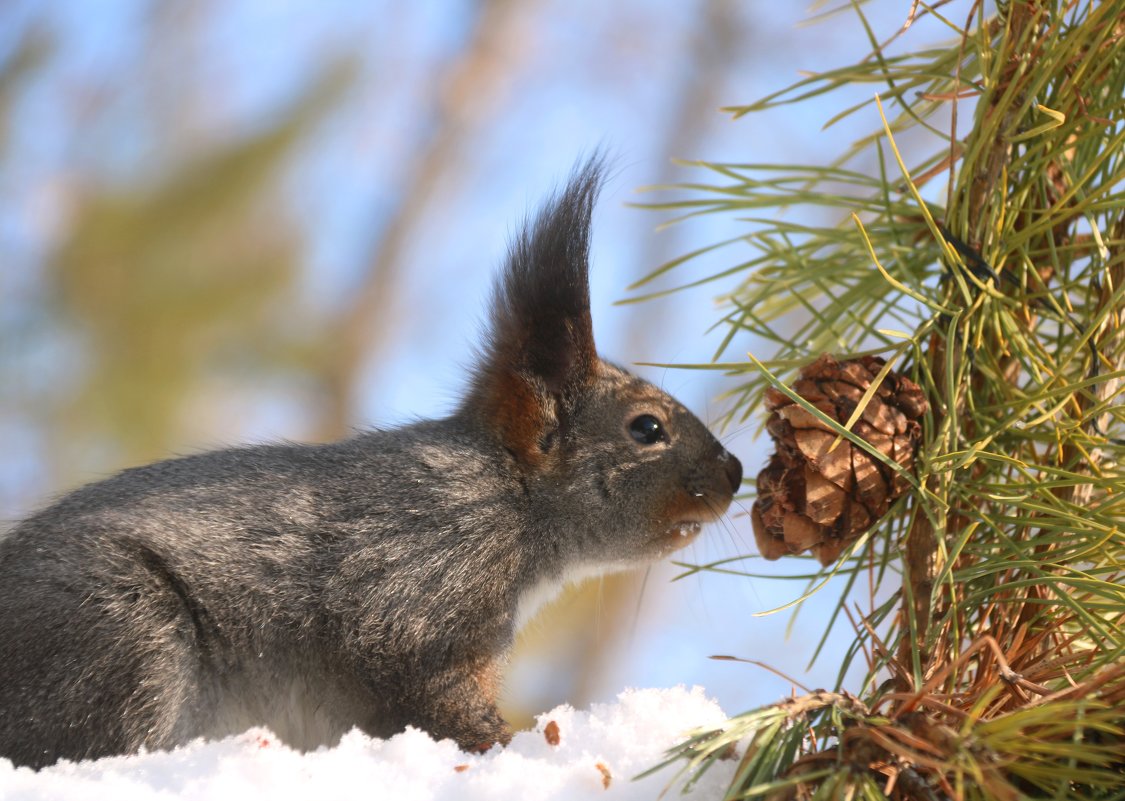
(375,582)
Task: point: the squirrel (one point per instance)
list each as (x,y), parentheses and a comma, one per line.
(377,582)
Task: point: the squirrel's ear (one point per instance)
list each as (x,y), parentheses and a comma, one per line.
(540,352)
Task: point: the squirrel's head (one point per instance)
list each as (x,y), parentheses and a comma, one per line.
(621,472)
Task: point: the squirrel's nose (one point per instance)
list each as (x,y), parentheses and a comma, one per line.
(734,470)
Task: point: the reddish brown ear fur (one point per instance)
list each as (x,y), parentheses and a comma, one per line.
(521,415)
(541,352)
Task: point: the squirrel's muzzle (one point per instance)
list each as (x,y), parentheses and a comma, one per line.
(706,497)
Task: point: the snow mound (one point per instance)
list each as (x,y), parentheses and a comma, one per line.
(570,754)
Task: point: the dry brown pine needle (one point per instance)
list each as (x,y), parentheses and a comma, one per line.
(607,777)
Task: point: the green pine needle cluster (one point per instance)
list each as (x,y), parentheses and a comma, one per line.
(976,239)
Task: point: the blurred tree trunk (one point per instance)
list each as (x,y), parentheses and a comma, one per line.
(471,84)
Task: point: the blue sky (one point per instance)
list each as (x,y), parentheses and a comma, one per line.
(588,74)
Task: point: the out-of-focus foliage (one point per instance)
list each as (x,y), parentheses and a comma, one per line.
(194,275)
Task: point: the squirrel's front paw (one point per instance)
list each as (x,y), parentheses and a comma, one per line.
(499,733)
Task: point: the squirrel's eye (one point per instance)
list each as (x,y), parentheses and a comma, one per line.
(646,429)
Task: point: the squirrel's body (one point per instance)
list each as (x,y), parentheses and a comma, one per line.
(375,582)
(277,517)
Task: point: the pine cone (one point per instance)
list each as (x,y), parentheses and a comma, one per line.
(812,497)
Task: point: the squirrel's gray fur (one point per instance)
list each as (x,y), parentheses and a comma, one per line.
(375,582)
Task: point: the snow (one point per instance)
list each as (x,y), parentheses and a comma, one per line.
(598,753)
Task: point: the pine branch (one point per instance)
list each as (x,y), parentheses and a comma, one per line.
(1001,674)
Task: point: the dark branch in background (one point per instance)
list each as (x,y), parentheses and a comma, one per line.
(20,63)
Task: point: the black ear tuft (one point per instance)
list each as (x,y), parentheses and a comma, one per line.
(541,351)
(542,304)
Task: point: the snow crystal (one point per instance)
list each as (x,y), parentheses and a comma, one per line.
(598,753)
